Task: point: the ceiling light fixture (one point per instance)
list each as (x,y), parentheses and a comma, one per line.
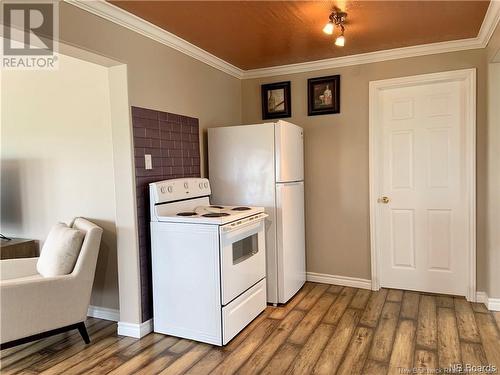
(328,29)
(340,41)
(337,18)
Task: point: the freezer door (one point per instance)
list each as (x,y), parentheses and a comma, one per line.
(290,239)
(289,146)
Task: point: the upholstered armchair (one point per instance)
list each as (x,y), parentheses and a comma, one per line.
(34,306)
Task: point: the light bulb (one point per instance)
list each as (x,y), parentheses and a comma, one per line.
(328,29)
(340,41)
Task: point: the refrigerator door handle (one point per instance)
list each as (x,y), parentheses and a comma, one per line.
(301,182)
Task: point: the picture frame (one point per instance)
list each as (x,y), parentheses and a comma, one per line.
(276,100)
(323,95)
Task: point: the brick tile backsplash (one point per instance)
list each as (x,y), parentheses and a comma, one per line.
(173,142)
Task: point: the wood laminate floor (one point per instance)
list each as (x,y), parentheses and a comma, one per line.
(324,329)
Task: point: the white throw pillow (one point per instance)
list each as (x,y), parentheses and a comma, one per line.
(60,251)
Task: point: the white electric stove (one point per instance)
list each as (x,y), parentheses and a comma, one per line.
(208,262)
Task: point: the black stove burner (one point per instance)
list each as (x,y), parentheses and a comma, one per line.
(186,214)
(215,214)
(241,208)
(219,207)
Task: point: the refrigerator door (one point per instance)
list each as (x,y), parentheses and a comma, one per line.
(241,170)
(290,239)
(289,140)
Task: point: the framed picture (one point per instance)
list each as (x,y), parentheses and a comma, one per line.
(276,100)
(323,95)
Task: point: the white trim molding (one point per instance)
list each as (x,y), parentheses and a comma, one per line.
(104,313)
(490,22)
(488,26)
(366,58)
(135,330)
(338,280)
(492,304)
(123,18)
(468,76)
(130,21)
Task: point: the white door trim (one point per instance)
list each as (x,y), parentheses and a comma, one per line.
(468,76)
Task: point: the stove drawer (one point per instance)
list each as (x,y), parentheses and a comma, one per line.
(244,309)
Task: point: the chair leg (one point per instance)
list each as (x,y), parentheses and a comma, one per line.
(83,332)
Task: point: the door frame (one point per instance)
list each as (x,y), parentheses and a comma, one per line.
(468,76)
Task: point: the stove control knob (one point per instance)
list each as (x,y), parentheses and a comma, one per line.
(170,189)
(163,189)
(201,185)
(205,185)
(186,185)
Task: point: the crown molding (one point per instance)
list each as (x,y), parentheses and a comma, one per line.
(365,58)
(491,19)
(123,18)
(490,22)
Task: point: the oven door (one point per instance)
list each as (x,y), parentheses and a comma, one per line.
(243,255)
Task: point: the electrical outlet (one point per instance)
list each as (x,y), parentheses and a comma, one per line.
(148,161)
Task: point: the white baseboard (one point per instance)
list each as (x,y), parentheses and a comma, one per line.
(492,304)
(124,328)
(339,280)
(104,313)
(135,330)
(481,297)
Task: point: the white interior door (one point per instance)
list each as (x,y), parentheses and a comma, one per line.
(290,239)
(423,207)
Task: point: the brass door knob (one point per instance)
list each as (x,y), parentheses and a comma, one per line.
(384,200)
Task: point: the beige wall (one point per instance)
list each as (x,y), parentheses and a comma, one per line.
(127,240)
(57,158)
(336,145)
(493,47)
(493,176)
(158,77)
(493,181)
(336,158)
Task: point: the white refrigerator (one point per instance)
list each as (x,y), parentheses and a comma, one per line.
(263,165)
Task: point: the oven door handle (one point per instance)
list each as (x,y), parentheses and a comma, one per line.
(244,222)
